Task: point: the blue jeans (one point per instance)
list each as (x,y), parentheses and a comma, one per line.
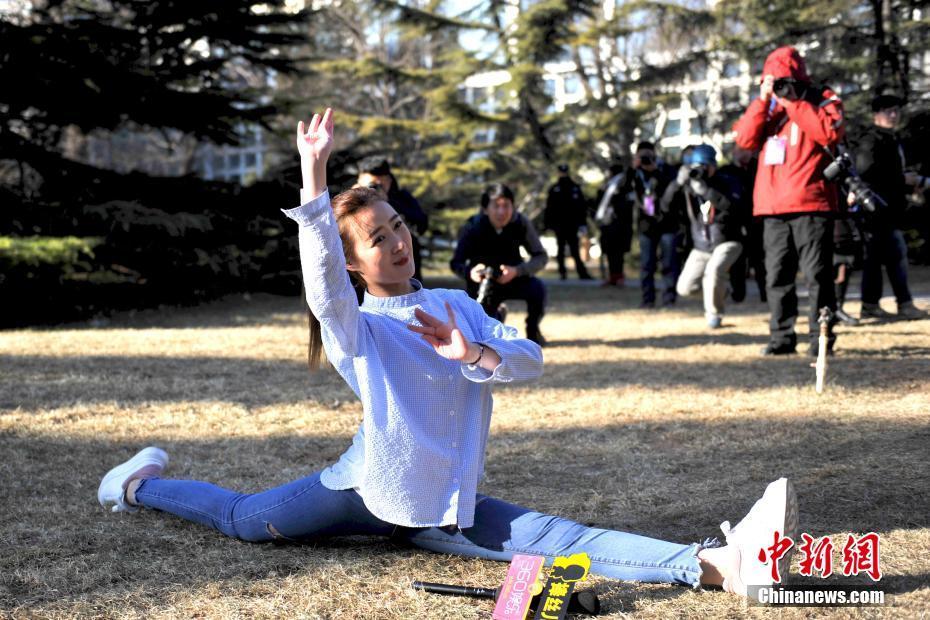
(649,247)
(885,247)
(305,510)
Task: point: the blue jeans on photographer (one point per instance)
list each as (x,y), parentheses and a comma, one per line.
(650,247)
(885,248)
(305,511)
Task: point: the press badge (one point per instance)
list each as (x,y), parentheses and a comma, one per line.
(774,151)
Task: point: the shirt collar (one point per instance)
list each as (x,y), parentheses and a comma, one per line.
(409,300)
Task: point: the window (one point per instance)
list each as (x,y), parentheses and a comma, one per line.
(672,127)
(730,97)
(250,159)
(549,87)
(572,85)
(698,71)
(698,99)
(234,160)
(731,69)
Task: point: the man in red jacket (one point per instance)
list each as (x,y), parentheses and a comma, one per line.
(793,124)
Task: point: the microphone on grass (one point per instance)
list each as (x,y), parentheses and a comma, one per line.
(583,602)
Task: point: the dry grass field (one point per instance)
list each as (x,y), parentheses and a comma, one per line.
(643,421)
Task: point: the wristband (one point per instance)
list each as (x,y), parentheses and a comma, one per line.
(480,355)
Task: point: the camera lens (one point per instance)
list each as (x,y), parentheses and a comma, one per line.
(697,172)
(646,160)
(782,86)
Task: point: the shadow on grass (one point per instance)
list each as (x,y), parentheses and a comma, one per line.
(845,370)
(676,341)
(38,381)
(674,480)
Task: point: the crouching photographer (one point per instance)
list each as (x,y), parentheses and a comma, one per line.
(487,256)
(711,205)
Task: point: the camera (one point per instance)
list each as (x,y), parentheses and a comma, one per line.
(646,160)
(843,170)
(487,284)
(698,172)
(782,87)
(376,186)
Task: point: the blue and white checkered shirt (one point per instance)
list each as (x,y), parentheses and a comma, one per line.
(418,454)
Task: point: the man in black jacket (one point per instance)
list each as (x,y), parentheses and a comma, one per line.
(711,203)
(491,242)
(880,162)
(566,212)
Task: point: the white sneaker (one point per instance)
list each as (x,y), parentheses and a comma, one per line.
(146,463)
(776,510)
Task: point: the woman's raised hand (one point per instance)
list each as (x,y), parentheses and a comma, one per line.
(314,143)
(445,336)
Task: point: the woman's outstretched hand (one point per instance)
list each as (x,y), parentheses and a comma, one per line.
(445,336)
(314,143)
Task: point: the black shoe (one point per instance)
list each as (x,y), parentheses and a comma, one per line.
(845,318)
(779,349)
(647,304)
(585,276)
(536,337)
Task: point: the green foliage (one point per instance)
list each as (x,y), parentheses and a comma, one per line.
(25,255)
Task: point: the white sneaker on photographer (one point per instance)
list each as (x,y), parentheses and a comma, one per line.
(147,463)
(775,511)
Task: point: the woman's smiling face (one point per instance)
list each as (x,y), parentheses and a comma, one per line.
(381,252)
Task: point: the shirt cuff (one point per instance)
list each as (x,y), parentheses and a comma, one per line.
(310,208)
(477,374)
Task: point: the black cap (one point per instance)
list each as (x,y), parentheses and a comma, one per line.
(374,165)
(884,102)
(563,167)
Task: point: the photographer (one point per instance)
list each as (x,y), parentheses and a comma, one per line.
(793,123)
(614,217)
(711,203)
(880,162)
(659,233)
(566,215)
(487,256)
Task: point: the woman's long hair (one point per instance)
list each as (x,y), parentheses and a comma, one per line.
(345,206)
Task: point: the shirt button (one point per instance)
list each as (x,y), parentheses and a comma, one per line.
(452,412)
(454,445)
(455,480)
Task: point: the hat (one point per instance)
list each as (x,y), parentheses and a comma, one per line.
(563,167)
(786,62)
(701,154)
(884,102)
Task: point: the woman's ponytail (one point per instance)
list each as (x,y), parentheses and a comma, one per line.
(344,205)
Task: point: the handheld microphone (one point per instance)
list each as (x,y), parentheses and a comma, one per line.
(583,602)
